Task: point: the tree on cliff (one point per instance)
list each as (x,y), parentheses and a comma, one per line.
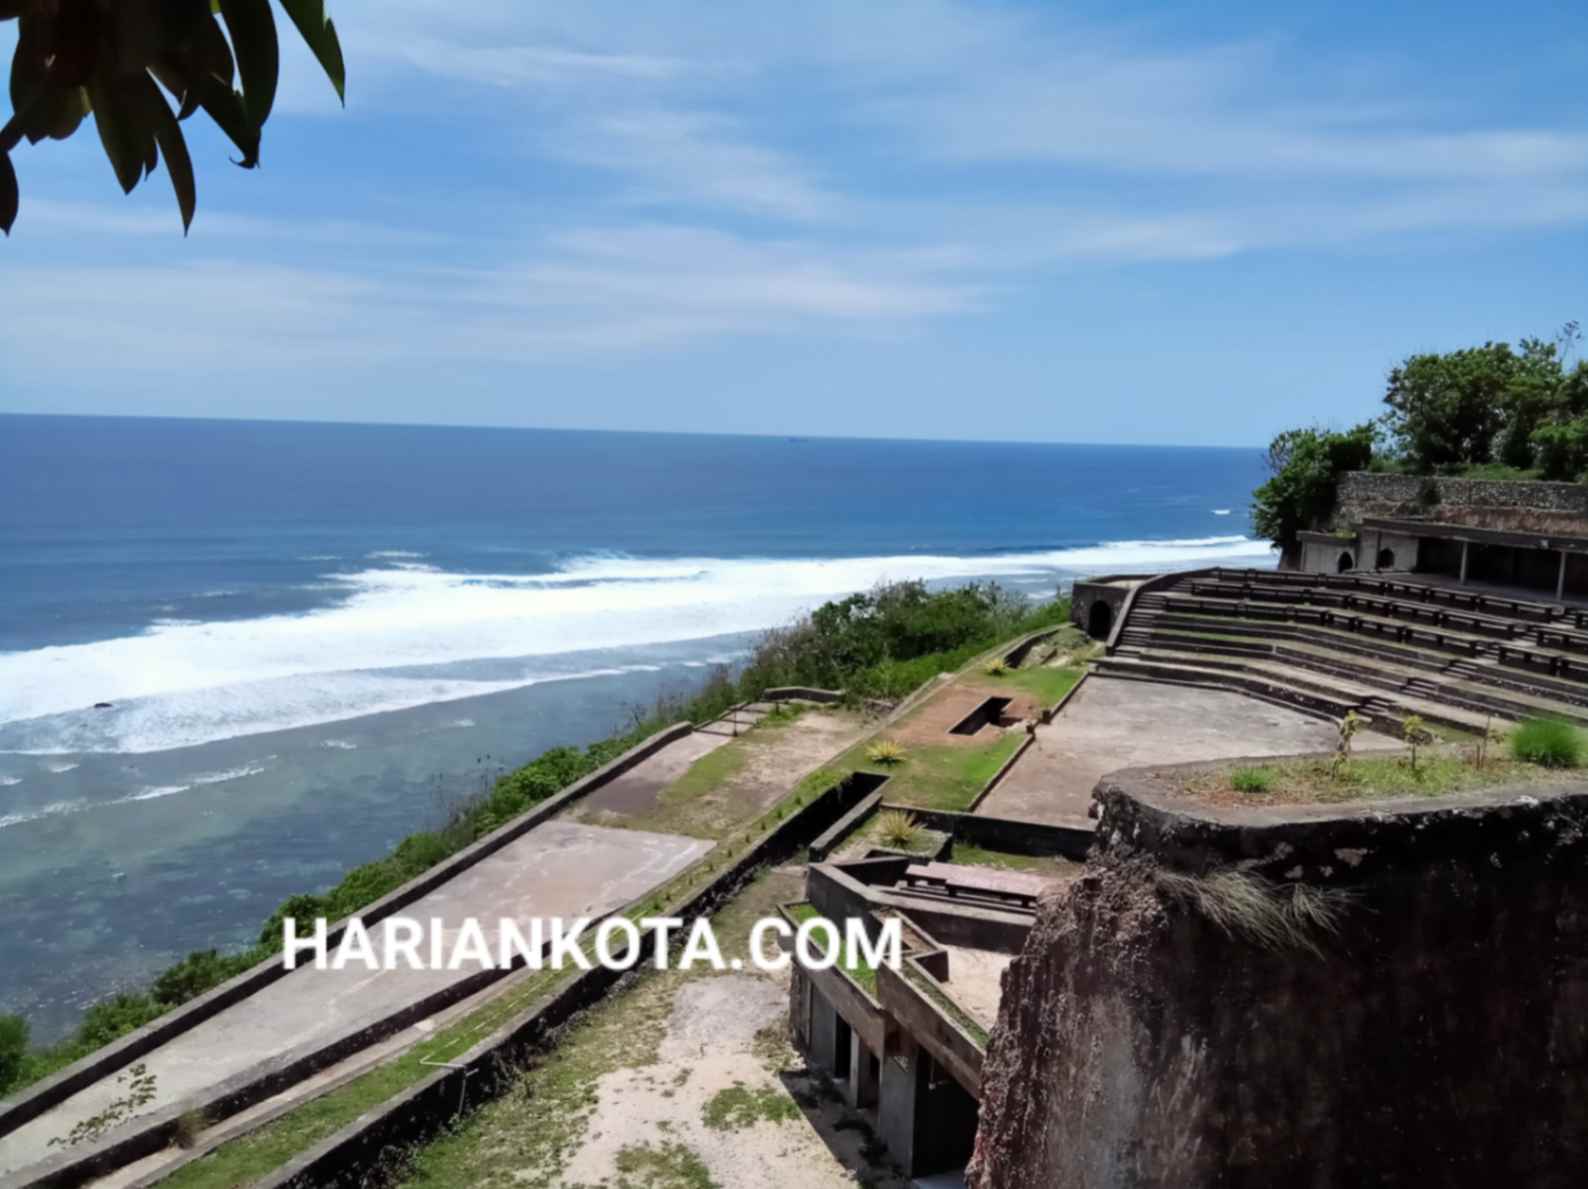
(110,58)
(1483,404)
(1305,466)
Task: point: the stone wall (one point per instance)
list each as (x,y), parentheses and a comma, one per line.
(1506,505)
(1439,1038)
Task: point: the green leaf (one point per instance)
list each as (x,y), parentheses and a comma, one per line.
(67,109)
(156,115)
(253,30)
(124,140)
(9,195)
(225,107)
(320,34)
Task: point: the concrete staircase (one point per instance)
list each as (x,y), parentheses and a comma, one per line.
(1383,647)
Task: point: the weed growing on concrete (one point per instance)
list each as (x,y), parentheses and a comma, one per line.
(1251,780)
(190,1125)
(1270,915)
(998,668)
(140,1093)
(1416,735)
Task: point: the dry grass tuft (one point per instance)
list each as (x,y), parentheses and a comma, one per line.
(1274,916)
(897,828)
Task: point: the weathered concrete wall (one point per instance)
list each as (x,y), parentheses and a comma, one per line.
(1441,1038)
(1482,503)
(1084,594)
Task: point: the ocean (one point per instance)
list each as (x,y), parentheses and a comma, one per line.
(312,639)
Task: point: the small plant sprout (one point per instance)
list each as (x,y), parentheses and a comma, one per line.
(897,828)
(1348,727)
(886,752)
(1415,735)
(998,668)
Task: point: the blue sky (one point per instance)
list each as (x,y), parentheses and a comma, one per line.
(1189,223)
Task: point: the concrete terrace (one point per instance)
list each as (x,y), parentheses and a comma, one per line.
(562,867)
(557,869)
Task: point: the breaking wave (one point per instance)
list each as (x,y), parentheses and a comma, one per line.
(406,634)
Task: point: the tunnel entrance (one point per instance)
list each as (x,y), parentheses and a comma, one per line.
(1344,564)
(1386,559)
(1099,620)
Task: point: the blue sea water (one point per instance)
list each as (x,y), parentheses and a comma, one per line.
(314,638)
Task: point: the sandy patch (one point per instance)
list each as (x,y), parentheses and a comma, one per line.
(711,1045)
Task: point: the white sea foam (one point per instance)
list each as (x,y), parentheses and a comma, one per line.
(8,781)
(340,744)
(1221,511)
(57,768)
(151,793)
(404,634)
(227,774)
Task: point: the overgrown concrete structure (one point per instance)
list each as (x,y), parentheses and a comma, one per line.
(1528,535)
(1378,994)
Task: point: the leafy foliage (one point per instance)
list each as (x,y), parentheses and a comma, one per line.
(1549,743)
(13,1050)
(74,58)
(1305,466)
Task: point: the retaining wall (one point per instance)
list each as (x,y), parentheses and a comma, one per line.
(1504,504)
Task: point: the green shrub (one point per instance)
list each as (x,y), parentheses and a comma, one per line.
(13,1049)
(1251,780)
(1548,742)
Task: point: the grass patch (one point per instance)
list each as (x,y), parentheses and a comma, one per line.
(738,1106)
(1251,780)
(934,991)
(661,1166)
(1046,683)
(1548,743)
(710,772)
(1362,778)
(969,855)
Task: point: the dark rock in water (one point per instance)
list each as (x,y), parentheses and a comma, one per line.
(101,705)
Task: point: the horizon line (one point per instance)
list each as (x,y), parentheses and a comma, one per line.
(768,434)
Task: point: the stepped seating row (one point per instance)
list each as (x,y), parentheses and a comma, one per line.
(1367,676)
(1383,646)
(1556,635)
(1423,591)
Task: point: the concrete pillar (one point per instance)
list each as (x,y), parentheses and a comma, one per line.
(898,1099)
(861,1088)
(1560,580)
(825,1030)
(1463,563)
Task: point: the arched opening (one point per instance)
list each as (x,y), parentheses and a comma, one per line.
(1386,559)
(1099,620)
(1345,563)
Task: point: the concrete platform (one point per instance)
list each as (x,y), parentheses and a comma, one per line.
(559,868)
(1113,724)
